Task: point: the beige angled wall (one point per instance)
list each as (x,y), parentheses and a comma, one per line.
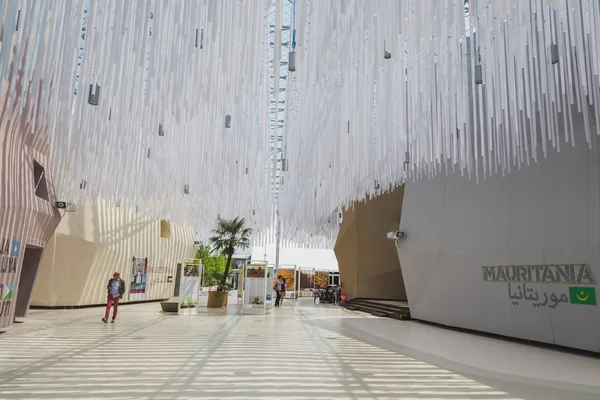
(94,242)
(27,214)
(368,261)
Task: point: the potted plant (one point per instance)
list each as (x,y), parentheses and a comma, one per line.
(228,236)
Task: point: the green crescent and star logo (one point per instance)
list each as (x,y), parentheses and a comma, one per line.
(582,295)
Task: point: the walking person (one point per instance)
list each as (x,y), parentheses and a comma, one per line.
(116,289)
(278,291)
(282,291)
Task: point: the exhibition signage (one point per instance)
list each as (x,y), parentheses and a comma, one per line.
(571,284)
(270,277)
(321,279)
(255,287)
(289,274)
(240,280)
(9,252)
(6,296)
(307,278)
(191,283)
(139,273)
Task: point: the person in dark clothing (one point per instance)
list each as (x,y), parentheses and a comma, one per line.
(116,290)
(283,288)
(278,291)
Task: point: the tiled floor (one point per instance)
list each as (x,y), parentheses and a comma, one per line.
(299,351)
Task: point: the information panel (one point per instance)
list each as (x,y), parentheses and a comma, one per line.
(191,283)
(255,287)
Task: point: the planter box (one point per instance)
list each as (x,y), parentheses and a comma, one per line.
(217,299)
(171,305)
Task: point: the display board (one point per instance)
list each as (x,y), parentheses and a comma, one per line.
(191,283)
(321,279)
(270,292)
(307,278)
(289,276)
(139,273)
(255,287)
(240,289)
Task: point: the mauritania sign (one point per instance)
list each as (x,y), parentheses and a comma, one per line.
(521,280)
(568,274)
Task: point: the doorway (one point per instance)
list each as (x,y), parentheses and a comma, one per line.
(29,270)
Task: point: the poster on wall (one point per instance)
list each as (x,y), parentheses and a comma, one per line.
(6,296)
(9,254)
(321,279)
(191,284)
(139,273)
(255,293)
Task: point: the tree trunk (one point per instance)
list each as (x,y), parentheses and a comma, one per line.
(227,266)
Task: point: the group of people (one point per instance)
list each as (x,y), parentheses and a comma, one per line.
(325,295)
(280,287)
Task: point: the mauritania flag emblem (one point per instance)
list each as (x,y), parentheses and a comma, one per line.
(8,292)
(582,295)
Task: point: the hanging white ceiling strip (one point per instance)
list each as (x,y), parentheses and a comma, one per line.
(386,91)
(154,138)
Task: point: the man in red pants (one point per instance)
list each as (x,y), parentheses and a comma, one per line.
(116,289)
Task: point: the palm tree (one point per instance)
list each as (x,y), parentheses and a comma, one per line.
(229,235)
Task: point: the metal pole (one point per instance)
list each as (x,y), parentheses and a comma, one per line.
(277,242)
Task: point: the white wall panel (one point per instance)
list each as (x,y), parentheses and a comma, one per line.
(545,214)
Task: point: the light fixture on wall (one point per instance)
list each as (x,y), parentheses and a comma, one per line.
(396,235)
(228,121)
(161,131)
(65,205)
(186,189)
